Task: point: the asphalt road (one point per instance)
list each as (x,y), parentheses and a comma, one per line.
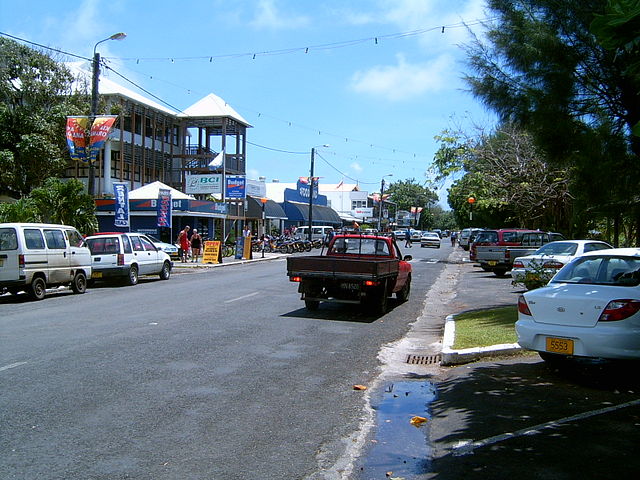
(220,374)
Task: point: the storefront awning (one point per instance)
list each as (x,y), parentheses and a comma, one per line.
(272,210)
(299,212)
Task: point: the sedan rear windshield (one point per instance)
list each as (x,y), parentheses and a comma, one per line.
(601,270)
(103,245)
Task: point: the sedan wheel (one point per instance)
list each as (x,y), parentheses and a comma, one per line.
(165,273)
(132,278)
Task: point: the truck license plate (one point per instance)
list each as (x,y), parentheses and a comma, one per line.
(492,263)
(350,286)
(96,274)
(559,345)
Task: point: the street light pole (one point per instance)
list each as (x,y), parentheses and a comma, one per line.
(313,155)
(95,79)
(381,201)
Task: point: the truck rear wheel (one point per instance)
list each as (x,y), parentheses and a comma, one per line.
(403,295)
(312,304)
(500,272)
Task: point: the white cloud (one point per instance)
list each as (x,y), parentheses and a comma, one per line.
(356,167)
(404,81)
(268,16)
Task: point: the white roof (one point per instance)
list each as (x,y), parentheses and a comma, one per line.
(150,191)
(212,106)
(109,87)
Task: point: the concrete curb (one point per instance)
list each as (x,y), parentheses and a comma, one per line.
(458,357)
(188,265)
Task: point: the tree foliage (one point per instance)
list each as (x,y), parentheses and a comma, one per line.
(409,193)
(35,98)
(56,201)
(542,68)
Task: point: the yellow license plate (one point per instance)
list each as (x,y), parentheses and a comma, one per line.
(559,345)
(493,263)
(96,274)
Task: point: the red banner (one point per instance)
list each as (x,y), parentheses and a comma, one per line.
(99,134)
(77,137)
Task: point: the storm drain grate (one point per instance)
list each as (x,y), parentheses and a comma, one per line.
(424,359)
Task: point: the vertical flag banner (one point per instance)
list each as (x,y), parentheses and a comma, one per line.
(99,133)
(77,137)
(121,194)
(164,208)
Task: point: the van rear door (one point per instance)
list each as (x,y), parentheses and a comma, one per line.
(8,254)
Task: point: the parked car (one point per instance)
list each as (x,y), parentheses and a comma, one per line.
(430,239)
(126,256)
(172,250)
(591,308)
(548,259)
(416,235)
(465,236)
(34,256)
(400,234)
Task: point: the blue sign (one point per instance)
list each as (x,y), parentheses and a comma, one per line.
(301,194)
(236,187)
(121,194)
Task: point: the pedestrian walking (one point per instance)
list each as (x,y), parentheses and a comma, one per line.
(454,237)
(196,246)
(407,240)
(183,241)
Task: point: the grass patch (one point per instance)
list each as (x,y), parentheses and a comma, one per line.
(483,328)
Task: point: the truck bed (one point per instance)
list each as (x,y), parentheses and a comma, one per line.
(335,266)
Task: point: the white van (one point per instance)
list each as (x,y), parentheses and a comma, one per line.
(35,256)
(317,231)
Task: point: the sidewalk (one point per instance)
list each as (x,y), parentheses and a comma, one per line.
(226,261)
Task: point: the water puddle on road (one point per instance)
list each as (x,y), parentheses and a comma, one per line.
(400,449)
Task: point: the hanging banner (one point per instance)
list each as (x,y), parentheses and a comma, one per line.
(236,186)
(99,134)
(164,208)
(76,133)
(121,194)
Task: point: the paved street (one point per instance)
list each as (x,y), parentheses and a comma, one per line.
(218,373)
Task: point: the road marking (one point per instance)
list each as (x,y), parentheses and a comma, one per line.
(11,365)
(242,297)
(467,448)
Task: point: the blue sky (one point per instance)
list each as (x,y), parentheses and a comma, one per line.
(294,69)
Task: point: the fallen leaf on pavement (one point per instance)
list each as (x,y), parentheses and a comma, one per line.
(417,421)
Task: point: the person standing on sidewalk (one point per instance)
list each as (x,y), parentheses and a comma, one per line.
(183,241)
(196,246)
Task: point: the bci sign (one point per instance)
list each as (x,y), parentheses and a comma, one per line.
(210,183)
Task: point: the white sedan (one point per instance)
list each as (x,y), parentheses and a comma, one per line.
(550,258)
(430,239)
(591,308)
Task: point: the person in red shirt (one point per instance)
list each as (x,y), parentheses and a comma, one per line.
(183,241)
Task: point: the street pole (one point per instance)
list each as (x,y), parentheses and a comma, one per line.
(313,154)
(380,205)
(91,185)
(95,79)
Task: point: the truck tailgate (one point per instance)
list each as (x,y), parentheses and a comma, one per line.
(489,253)
(323,266)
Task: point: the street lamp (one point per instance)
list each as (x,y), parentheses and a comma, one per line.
(313,156)
(381,199)
(95,78)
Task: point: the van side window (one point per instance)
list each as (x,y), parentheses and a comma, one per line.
(33,239)
(126,244)
(55,239)
(137,245)
(8,239)
(75,239)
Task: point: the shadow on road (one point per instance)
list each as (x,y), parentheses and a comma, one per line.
(533,420)
(340,312)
